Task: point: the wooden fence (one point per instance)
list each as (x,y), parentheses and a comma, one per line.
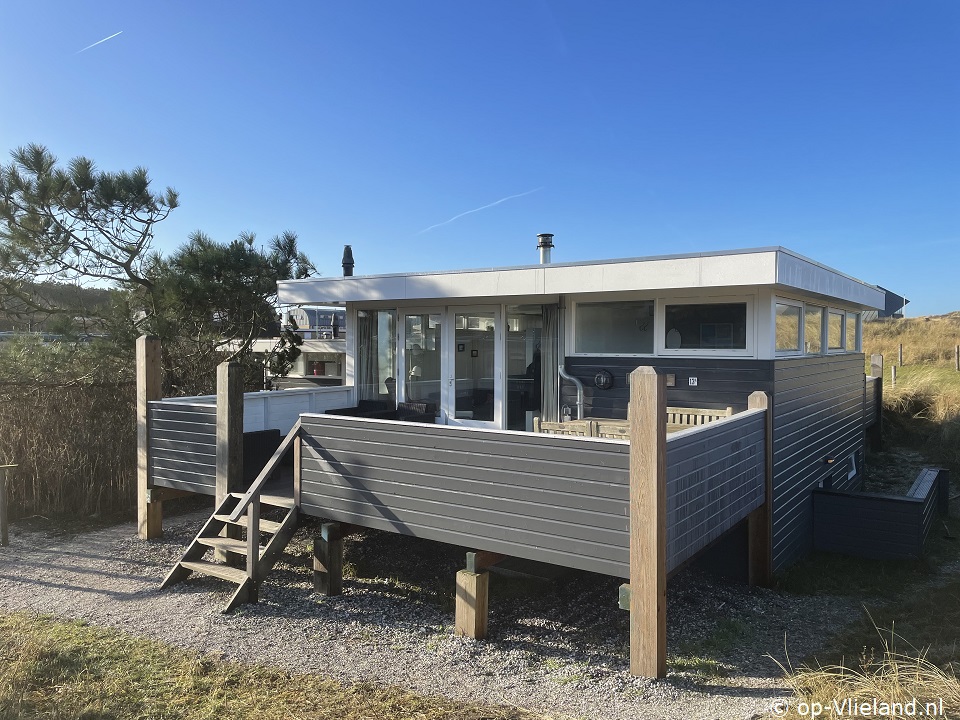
(196,444)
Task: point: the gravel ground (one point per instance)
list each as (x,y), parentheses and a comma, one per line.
(557,646)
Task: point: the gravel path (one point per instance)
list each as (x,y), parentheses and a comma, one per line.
(556,646)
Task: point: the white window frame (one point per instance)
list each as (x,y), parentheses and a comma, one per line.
(572,327)
(660,341)
(773,326)
(827,350)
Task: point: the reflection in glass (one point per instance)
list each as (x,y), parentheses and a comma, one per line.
(524,365)
(422,344)
(788,327)
(812,329)
(474,358)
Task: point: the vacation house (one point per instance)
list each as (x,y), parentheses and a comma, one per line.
(603,359)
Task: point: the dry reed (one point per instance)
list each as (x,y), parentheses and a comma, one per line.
(908,683)
(74,446)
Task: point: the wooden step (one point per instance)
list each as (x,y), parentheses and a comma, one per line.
(232,545)
(224,572)
(268,526)
(281,501)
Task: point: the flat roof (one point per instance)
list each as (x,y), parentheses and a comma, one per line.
(776,267)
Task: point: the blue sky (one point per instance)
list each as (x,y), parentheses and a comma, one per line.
(626,128)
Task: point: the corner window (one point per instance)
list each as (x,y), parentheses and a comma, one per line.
(851,332)
(615,327)
(721,326)
(788,328)
(835,331)
(812,329)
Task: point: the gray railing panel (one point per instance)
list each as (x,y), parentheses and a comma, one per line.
(183,450)
(488,489)
(715,478)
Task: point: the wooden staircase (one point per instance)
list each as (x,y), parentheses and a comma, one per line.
(234,533)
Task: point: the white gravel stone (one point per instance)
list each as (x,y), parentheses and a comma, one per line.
(557,647)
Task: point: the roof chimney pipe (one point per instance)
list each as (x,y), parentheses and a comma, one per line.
(347,261)
(545,245)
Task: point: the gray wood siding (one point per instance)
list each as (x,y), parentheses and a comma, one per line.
(550,498)
(183,446)
(818,413)
(720,382)
(868,525)
(715,478)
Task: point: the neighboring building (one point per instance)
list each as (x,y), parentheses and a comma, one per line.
(893,306)
(323,353)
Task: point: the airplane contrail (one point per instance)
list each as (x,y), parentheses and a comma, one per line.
(457,217)
(98,42)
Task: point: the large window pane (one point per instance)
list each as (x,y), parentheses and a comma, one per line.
(377,355)
(835,331)
(524,365)
(813,329)
(788,327)
(474,364)
(721,326)
(851,335)
(422,345)
(615,327)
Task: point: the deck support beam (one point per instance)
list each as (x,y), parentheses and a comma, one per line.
(149,510)
(229,476)
(328,559)
(759,528)
(648,523)
(471,605)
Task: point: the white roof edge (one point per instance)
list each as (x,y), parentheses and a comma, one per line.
(572,263)
(770,266)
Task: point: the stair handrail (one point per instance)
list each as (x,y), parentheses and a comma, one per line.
(257,487)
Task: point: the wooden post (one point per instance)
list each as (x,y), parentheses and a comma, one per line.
(328,560)
(253,550)
(956,357)
(759,528)
(4,526)
(473,590)
(893,375)
(149,511)
(297,468)
(229,440)
(648,523)
(900,355)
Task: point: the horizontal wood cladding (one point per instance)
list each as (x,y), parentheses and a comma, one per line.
(818,408)
(873,526)
(183,446)
(877,525)
(715,478)
(720,382)
(555,499)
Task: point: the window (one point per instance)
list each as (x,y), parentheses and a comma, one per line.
(720,326)
(835,331)
(851,334)
(376,355)
(788,328)
(615,327)
(812,329)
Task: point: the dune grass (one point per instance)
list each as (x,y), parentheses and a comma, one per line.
(59,670)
